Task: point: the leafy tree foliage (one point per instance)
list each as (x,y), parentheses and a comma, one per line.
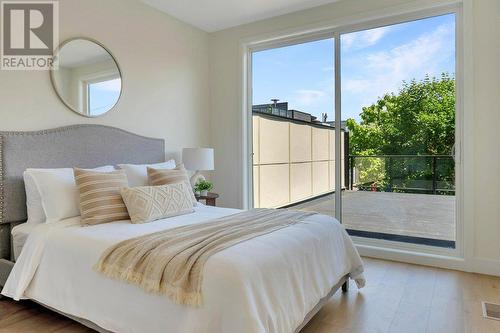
(419,120)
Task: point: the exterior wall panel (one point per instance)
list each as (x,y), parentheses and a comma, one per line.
(300,143)
(292,161)
(320,175)
(274,144)
(274,185)
(255,139)
(300,181)
(320,146)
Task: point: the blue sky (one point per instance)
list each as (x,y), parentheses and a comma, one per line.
(374,62)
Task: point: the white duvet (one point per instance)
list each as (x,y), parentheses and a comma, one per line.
(266,284)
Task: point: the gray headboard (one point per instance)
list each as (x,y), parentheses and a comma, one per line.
(85,146)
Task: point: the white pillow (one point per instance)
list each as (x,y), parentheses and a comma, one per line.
(137,174)
(51,194)
(33,200)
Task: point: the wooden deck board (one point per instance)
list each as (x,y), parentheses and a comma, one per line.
(417,215)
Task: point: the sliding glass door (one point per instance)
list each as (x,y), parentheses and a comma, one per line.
(398,106)
(363,129)
(293,128)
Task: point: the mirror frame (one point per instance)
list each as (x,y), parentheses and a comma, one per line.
(52,79)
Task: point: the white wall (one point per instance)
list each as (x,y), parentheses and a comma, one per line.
(485,45)
(164,63)
(481,184)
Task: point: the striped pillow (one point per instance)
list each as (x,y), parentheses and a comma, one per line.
(100,197)
(165,177)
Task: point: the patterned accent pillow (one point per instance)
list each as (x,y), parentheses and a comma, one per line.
(164,177)
(100,197)
(149,203)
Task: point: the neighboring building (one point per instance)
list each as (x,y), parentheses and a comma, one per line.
(293,156)
(281,110)
(304,116)
(343,124)
(277,109)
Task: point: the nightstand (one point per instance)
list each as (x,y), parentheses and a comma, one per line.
(209,198)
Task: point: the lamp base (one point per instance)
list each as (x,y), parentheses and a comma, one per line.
(196,178)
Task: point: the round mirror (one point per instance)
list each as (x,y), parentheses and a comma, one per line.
(86,77)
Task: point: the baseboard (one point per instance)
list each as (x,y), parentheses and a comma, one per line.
(416,258)
(474,265)
(486,266)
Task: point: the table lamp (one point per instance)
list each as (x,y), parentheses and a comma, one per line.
(197,159)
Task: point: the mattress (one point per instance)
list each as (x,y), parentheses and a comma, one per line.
(264,285)
(20,234)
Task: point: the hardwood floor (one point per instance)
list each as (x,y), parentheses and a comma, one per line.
(398,298)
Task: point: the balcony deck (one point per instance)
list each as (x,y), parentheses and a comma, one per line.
(416,215)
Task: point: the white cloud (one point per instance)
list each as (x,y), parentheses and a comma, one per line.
(307,97)
(416,53)
(362,39)
(383,72)
(356,85)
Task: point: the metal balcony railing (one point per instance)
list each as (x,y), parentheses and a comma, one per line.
(428,174)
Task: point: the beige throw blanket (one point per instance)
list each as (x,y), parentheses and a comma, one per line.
(171,262)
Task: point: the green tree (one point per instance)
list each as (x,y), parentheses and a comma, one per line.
(418,120)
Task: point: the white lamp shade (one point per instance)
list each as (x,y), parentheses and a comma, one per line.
(198,158)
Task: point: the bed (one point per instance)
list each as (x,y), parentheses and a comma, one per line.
(272,283)
(19,235)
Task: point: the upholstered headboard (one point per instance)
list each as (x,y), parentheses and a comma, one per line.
(85,146)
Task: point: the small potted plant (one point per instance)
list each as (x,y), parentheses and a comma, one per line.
(202,187)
